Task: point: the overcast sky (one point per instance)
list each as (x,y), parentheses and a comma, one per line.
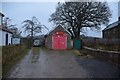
(20,11)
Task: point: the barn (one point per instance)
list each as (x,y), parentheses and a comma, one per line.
(58,38)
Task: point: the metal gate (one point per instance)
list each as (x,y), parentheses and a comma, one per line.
(77,44)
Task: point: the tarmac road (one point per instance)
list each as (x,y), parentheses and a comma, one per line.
(61,64)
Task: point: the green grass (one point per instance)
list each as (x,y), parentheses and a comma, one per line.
(45,49)
(105,46)
(6,67)
(82,53)
(36,50)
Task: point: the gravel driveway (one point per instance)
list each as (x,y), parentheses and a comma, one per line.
(61,64)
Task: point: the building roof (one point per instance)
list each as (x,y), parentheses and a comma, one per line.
(16,36)
(59,26)
(2,14)
(5,29)
(115,24)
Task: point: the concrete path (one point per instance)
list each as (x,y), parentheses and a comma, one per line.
(61,64)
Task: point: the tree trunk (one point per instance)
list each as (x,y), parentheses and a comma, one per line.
(77,33)
(72,36)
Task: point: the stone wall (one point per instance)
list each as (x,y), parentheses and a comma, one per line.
(113,56)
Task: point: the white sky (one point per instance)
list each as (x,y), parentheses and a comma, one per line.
(20,11)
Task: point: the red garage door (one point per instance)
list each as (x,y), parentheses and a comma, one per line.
(59,42)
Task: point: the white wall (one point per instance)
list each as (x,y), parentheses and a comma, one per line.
(0,37)
(3,37)
(119,8)
(9,38)
(0,19)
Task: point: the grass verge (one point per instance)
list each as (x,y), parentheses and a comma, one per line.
(45,49)
(82,53)
(36,50)
(6,67)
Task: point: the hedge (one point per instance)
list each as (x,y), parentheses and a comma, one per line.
(10,51)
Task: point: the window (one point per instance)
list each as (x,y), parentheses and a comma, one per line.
(6,39)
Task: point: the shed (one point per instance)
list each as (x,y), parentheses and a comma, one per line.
(58,38)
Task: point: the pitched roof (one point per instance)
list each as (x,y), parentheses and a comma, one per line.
(59,26)
(16,36)
(112,25)
(2,14)
(5,29)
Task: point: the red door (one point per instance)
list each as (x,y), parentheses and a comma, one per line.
(59,42)
(62,41)
(55,42)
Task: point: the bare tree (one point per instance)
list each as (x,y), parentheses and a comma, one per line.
(6,23)
(33,27)
(76,15)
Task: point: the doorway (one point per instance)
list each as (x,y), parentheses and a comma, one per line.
(59,42)
(6,39)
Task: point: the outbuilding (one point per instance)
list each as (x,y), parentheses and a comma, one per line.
(58,38)
(112,31)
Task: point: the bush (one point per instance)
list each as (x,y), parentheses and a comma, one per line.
(10,51)
(11,54)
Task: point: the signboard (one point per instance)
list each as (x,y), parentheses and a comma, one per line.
(59,33)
